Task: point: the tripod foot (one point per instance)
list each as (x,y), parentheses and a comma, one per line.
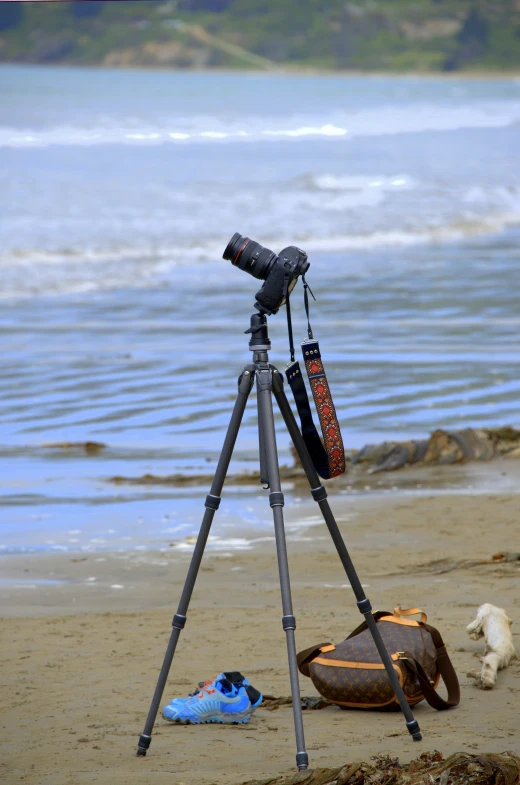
(143,744)
(414,730)
(302,761)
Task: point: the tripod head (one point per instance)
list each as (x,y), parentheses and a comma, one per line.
(259,341)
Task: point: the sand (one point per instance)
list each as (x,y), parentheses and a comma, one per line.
(80,657)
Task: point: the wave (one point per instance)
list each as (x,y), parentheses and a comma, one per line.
(75,271)
(346,193)
(388,120)
(328,182)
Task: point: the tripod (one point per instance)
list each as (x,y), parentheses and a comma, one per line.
(269,382)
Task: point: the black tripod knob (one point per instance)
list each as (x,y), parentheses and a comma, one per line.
(258,330)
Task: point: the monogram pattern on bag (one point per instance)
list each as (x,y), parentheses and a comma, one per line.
(352,685)
(369,686)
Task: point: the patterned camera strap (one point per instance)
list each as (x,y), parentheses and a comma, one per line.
(328,460)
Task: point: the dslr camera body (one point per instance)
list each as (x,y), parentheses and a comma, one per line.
(279,273)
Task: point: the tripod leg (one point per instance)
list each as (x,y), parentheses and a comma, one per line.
(245,384)
(319,494)
(268,438)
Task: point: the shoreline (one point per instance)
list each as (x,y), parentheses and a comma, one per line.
(84,655)
(172,512)
(282,71)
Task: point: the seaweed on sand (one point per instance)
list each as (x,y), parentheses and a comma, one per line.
(91,448)
(271,703)
(430,768)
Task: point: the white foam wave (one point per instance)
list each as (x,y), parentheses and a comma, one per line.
(328,182)
(338,194)
(66,135)
(71,271)
(87,257)
(414,118)
(217,544)
(404,239)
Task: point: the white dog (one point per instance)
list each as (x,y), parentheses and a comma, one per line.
(492,624)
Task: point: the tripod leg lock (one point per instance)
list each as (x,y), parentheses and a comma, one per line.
(302,760)
(212,502)
(364,606)
(246,379)
(288,622)
(277,380)
(319,494)
(179,621)
(143,744)
(414,730)
(276,499)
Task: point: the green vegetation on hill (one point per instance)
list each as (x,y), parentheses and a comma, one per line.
(396,35)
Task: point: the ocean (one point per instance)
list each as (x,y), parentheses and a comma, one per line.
(121,323)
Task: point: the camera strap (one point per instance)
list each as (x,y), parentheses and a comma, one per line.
(328,456)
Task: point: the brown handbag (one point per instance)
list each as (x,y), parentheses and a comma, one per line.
(352,675)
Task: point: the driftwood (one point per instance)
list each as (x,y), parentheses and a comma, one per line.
(494,625)
(443,447)
(428,769)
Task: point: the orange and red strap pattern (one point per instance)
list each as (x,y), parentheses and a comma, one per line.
(328,457)
(325,407)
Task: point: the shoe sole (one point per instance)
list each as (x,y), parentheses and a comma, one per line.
(219,720)
(181,701)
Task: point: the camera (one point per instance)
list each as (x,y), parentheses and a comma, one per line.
(280,273)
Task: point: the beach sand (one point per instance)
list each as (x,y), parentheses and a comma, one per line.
(80,657)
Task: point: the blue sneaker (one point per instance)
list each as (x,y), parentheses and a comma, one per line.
(236,678)
(218,701)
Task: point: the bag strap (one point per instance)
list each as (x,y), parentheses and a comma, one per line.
(444,667)
(305,657)
(448,676)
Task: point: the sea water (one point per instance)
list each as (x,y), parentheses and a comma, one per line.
(121,324)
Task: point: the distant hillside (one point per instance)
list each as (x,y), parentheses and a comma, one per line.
(425,35)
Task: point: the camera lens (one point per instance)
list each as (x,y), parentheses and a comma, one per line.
(251,257)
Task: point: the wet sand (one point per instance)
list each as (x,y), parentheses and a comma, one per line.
(80,657)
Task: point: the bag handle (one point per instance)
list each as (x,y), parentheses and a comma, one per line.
(410,612)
